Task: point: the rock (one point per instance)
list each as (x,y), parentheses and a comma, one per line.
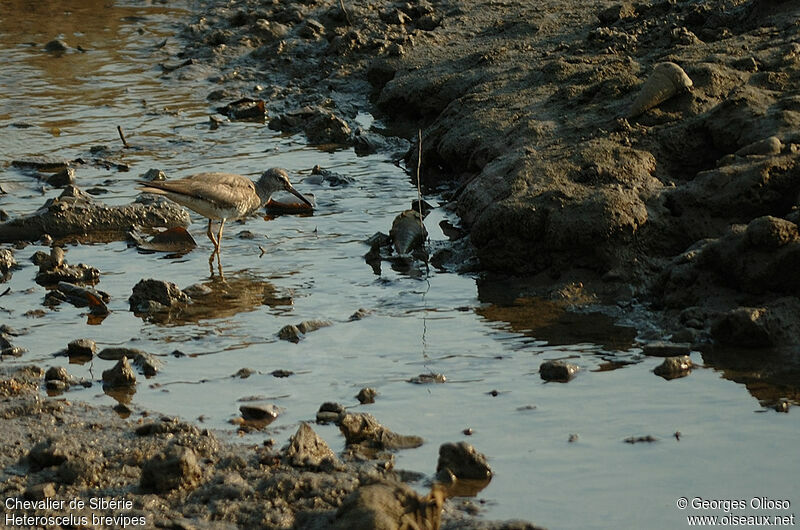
(327,128)
(74,213)
(771,232)
(616,12)
(39,492)
(81,348)
(155,295)
(57,373)
(8,349)
(366,395)
(291,333)
(743,326)
(674,367)
(664,349)
(667,80)
(307,449)
(245,109)
(145,362)
(54,269)
(557,371)
(175,468)
(330,412)
(79,297)
(766,147)
(426,379)
(121,375)
(364,429)
(320,125)
(154,174)
(388,506)
(408,232)
(65,177)
(463,461)
(359,314)
(294,333)
(260,412)
(56,46)
(7,262)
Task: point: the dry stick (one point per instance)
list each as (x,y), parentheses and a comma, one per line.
(341,4)
(122,136)
(419,187)
(427,266)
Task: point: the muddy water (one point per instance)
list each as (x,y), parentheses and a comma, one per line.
(489,346)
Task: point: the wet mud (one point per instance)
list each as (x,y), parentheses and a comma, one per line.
(615,186)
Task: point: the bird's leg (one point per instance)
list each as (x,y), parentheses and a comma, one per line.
(219,235)
(210,235)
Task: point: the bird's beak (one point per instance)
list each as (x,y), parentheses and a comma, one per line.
(297,194)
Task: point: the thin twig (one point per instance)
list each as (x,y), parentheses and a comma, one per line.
(122,136)
(341,4)
(419,186)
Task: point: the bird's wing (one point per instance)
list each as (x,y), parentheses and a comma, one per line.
(218,188)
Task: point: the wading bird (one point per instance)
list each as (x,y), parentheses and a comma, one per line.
(223,196)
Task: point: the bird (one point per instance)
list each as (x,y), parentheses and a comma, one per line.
(223,196)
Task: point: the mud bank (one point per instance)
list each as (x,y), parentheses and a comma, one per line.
(72,464)
(526,113)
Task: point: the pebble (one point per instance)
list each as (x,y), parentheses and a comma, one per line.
(366,395)
(558,371)
(464,461)
(673,367)
(81,348)
(121,375)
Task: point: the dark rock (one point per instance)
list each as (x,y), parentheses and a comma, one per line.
(408,232)
(175,468)
(330,412)
(57,373)
(75,214)
(291,333)
(154,174)
(674,367)
(56,46)
(260,412)
(155,295)
(426,379)
(557,371)
(771,232)
(365,429)
(665,349)
(65,177)
(743,326)
(121,375)
(294,333)
(145,362)
(307,449)
(463,461)
(81,348)
(640,439)
(79,297)
(366,395)
(54,269)
(359,314)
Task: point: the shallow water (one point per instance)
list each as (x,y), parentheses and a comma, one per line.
(489,347)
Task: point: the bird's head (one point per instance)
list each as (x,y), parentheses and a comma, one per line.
(276,179)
